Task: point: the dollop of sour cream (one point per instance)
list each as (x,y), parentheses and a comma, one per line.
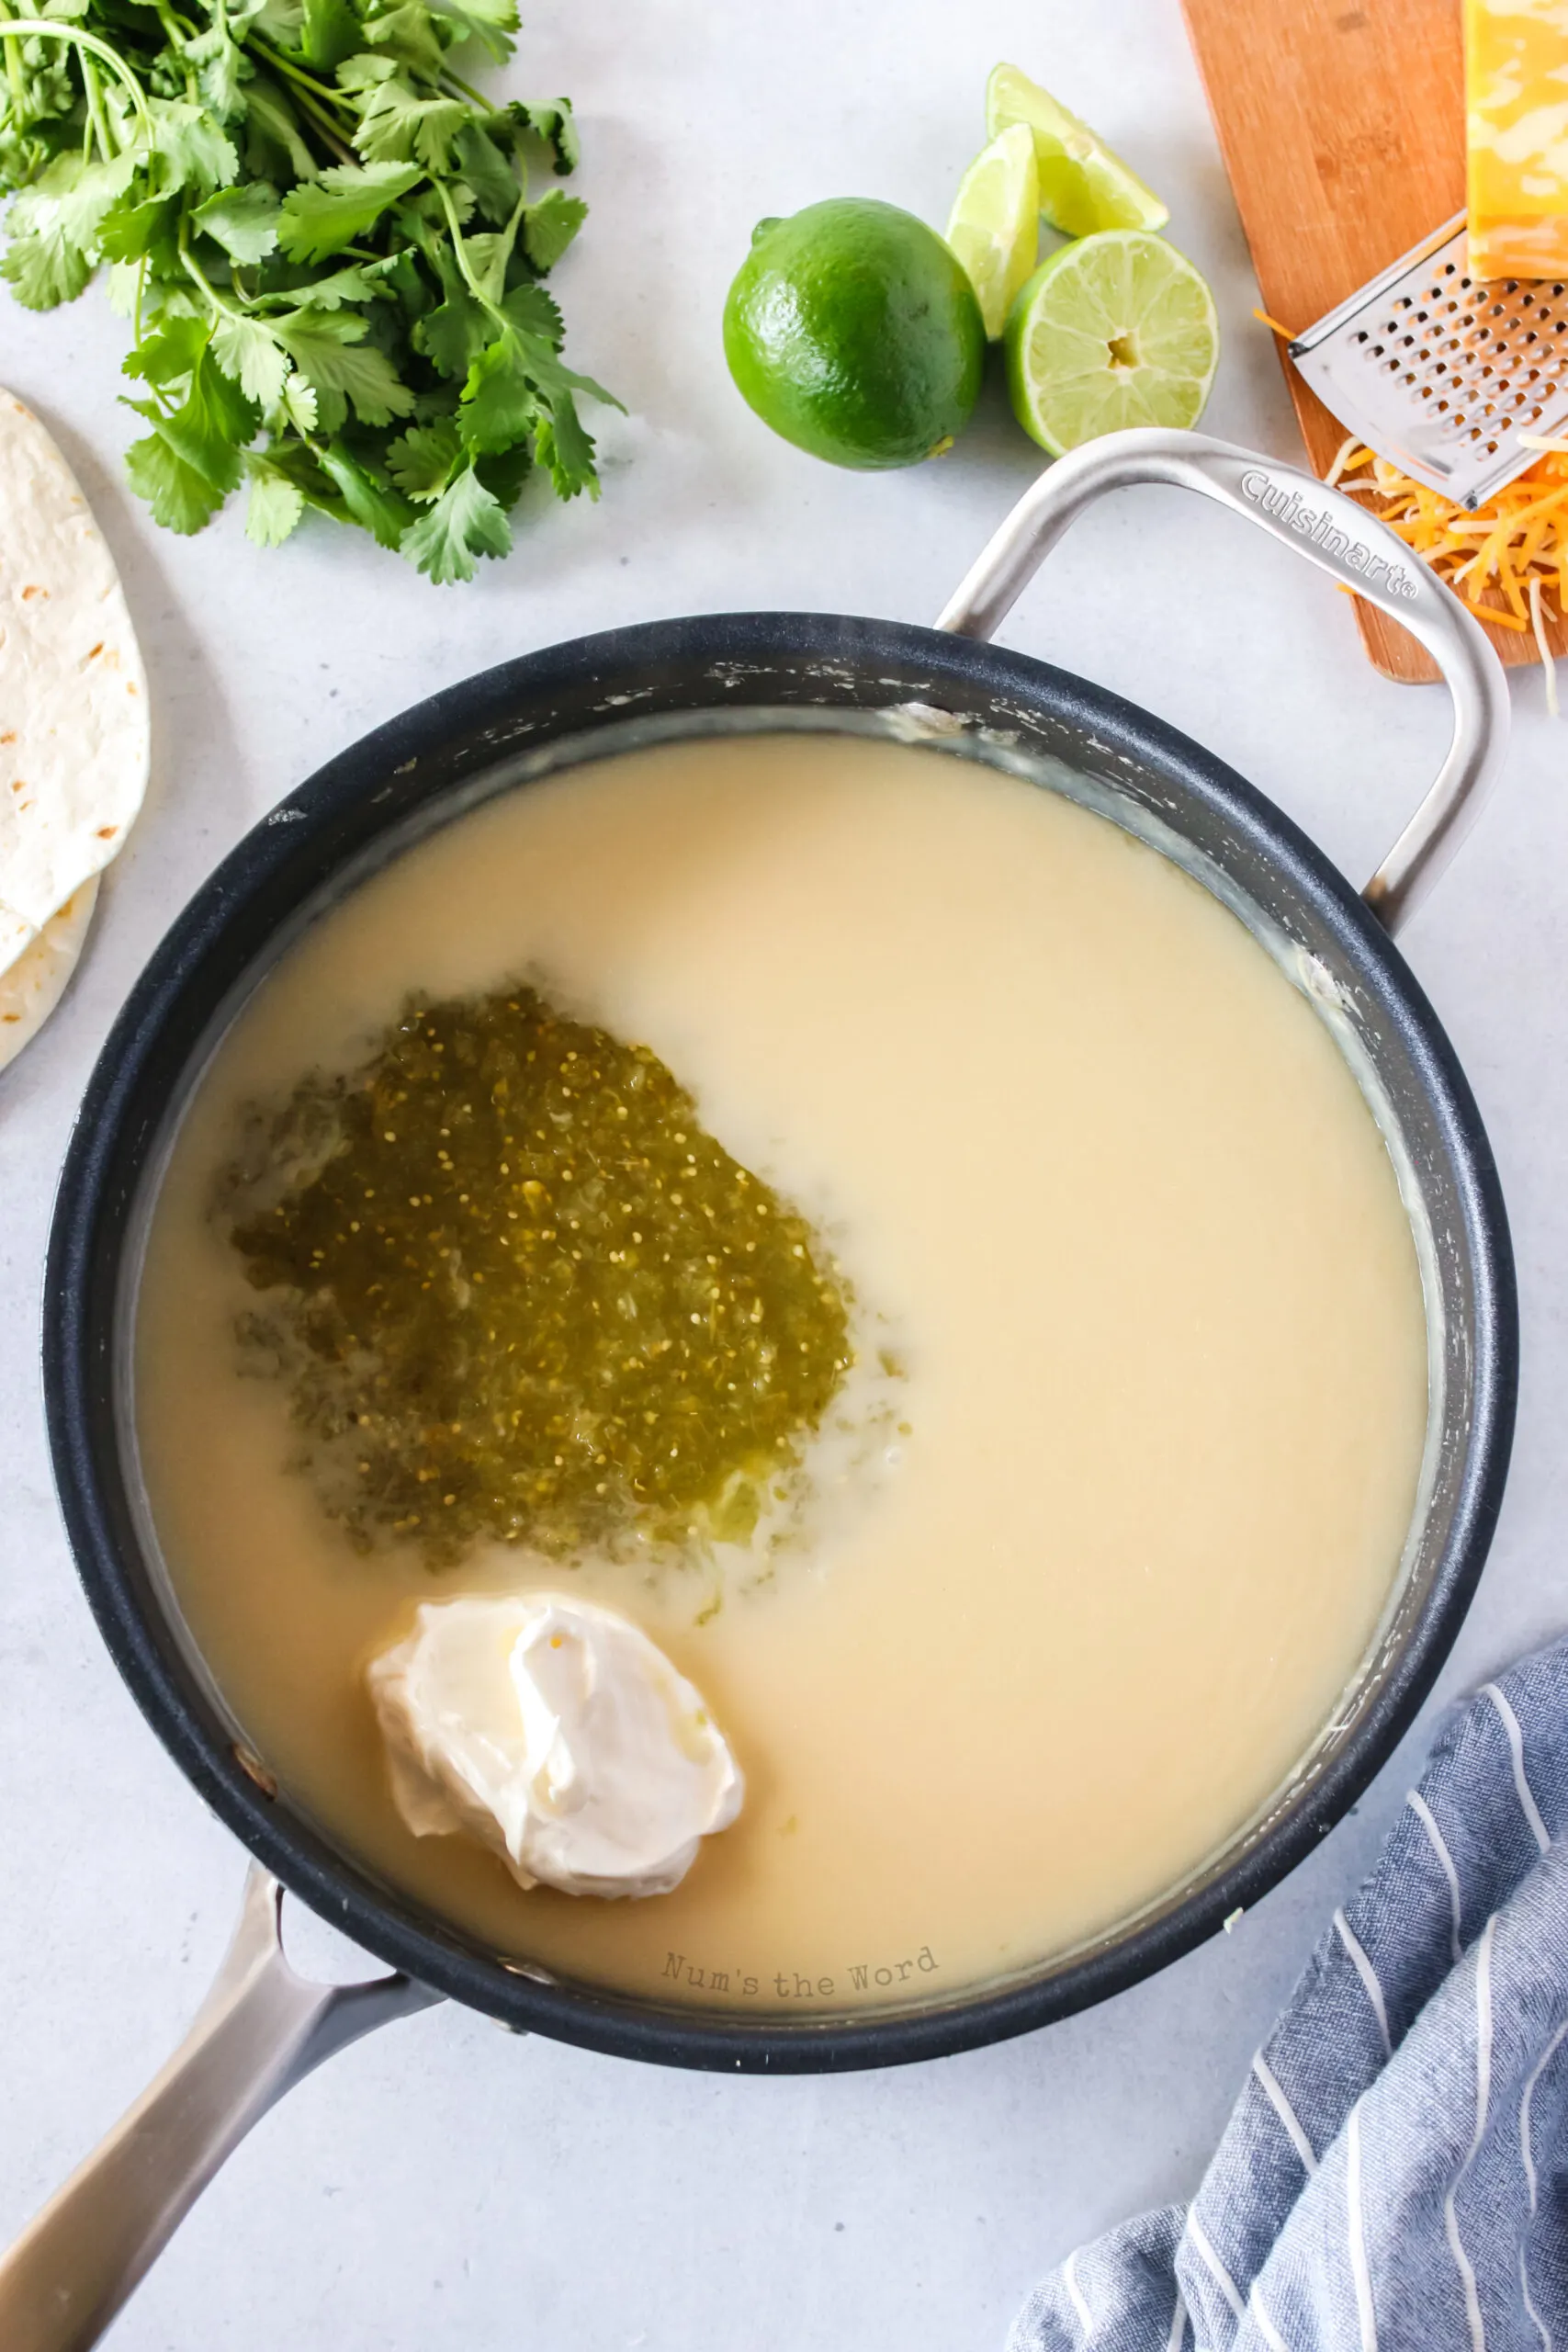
(558,1733)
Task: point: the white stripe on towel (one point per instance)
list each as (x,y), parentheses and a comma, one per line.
(1510,1723)
(1359,2270)
(1423,1812)
(1528,2152)
(1085,2317)
(1227,2284)
(1368,1976)
(1266,2327)
(1178,2336)
(1270,2084)
(1483,2098)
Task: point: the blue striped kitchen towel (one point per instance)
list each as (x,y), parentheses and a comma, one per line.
(1394,2176)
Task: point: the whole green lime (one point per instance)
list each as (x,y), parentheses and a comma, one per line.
(853,331)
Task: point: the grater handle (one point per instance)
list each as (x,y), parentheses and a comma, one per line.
(1332,532)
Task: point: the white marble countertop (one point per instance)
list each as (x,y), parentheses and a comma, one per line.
(443,2183)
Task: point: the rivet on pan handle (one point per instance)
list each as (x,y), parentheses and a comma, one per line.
(261,2031)
(1332,532)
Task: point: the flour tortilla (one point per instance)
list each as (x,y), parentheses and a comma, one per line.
(35,983)
(74,725)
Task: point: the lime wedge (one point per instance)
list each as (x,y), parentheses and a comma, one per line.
(1117,329)
(994,227)
(1083,187)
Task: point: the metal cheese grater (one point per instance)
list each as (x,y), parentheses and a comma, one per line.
(1441,374)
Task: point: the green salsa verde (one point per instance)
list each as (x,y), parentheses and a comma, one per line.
(518,1292)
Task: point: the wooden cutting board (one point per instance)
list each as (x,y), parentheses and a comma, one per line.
(1341,123)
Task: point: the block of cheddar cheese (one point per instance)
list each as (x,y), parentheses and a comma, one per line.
(1517,136)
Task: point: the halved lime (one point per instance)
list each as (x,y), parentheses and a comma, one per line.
(994,227)
(1117,329)
(1083,187)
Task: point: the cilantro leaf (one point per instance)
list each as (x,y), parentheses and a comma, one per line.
(421,460)
(299,404)
(243,221)
(254,359)
(354,282)
(535,312)
(517,386)
(408,33)
(549,226)
(504,473)
(196,153)
(280,21)
(336,209)
(363,72)
(454,333)
(221,66)
(372,504)
(399,277)
(273,506)
(220,410)
(566,447)
(501,14)
(489,250)
(499,398)
(180,494)
(329,33)
(490,22)
(96,190)
(150,230)
(554,127)
(397,124)
(169,350)
(465,521)
(272,134)
(487,172)
(342,367)
(43,262)
(190,461)
(121,287)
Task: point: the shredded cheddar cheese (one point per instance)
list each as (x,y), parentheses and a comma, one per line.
(1507,560)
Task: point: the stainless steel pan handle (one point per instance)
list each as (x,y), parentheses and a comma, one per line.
(1332,532)
(261,2031)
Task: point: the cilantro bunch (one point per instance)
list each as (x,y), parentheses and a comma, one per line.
(329,246)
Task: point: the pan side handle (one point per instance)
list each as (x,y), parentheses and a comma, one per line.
(261,2031)
(1331,531)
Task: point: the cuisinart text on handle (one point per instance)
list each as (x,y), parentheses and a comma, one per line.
(1318,525)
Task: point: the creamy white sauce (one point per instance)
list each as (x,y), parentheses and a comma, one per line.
(1141,1247)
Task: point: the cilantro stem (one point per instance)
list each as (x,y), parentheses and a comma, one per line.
(324,126)
(297,73)
(172,33)
(46,28)
(460,249)
(95,116)
(177,41)
(467,90)
(214,299)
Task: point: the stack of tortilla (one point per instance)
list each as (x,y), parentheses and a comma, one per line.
(75,746)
